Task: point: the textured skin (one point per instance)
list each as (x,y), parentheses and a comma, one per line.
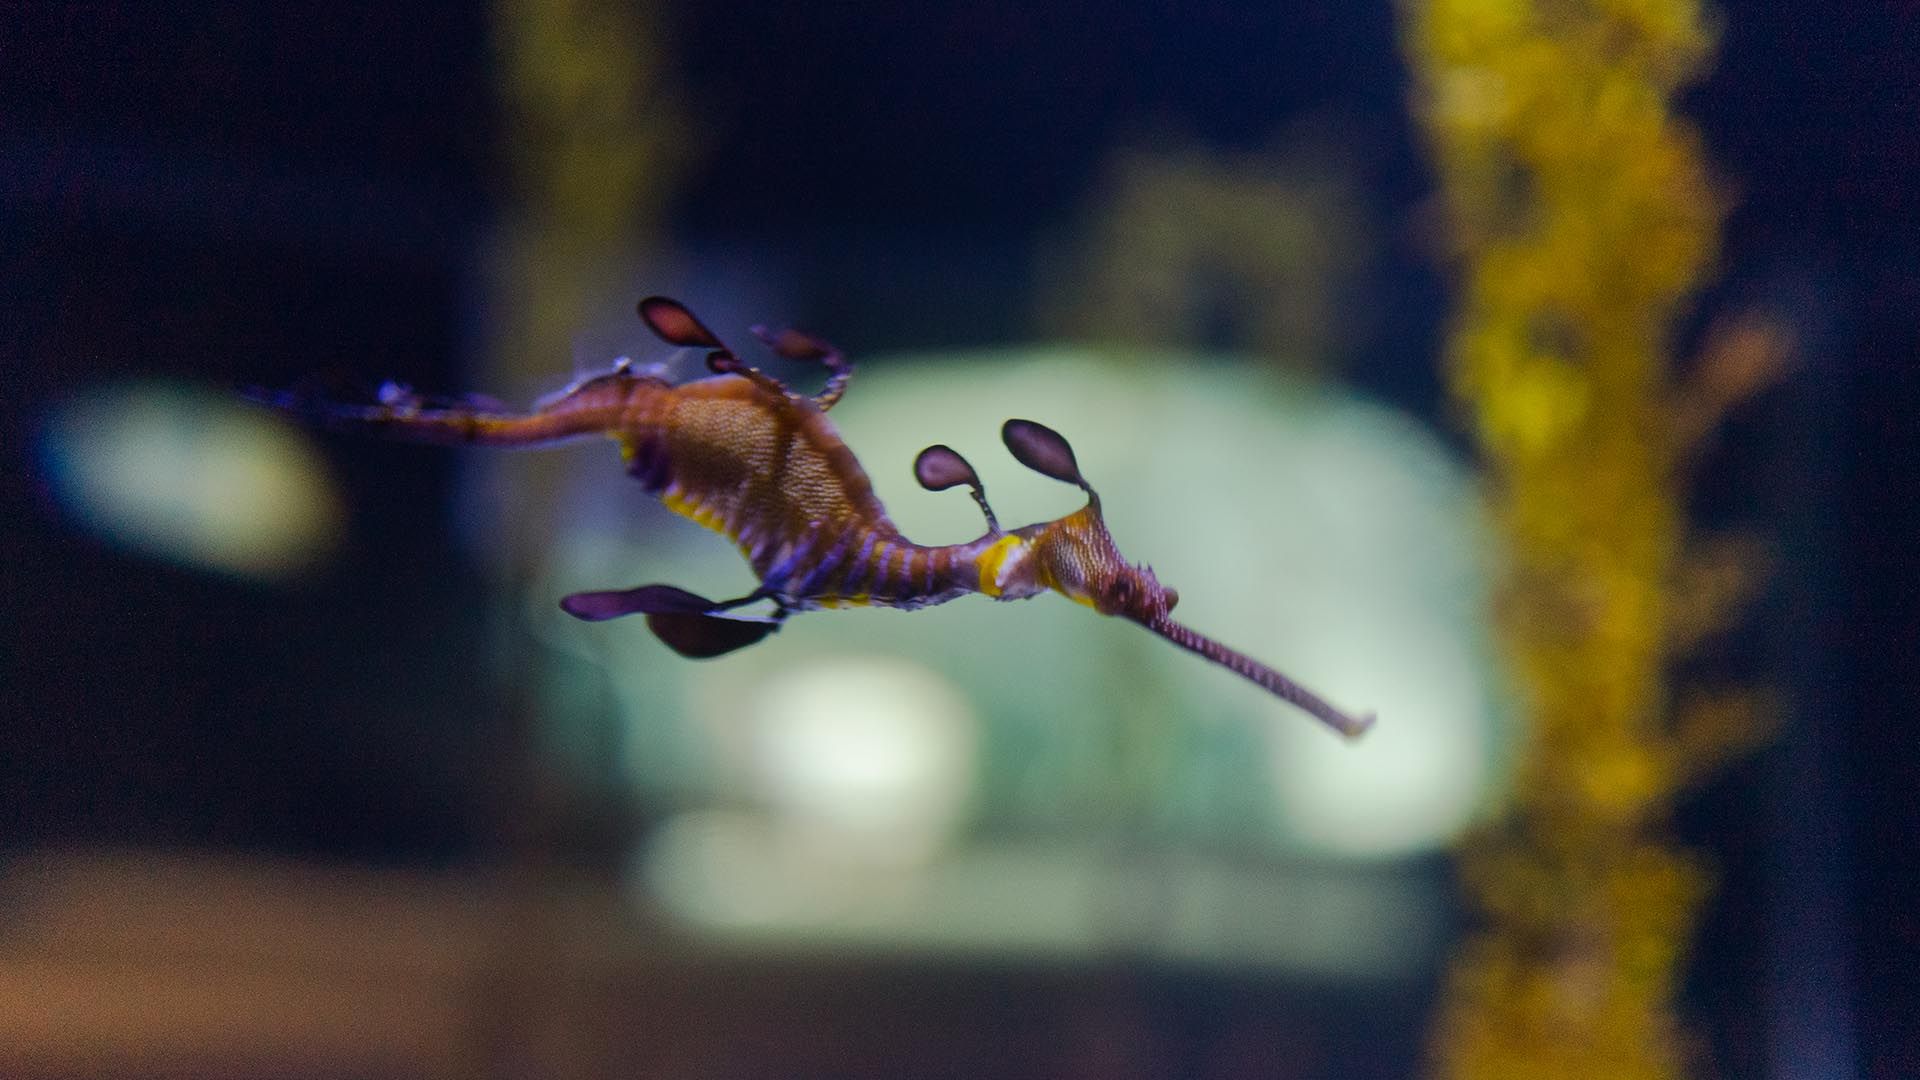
(757,463)
(742,456)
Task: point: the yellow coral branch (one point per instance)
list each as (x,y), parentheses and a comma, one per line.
(1583,218)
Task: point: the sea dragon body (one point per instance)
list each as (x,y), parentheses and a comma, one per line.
(741,453)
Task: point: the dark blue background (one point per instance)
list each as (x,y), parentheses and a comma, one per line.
(239,193)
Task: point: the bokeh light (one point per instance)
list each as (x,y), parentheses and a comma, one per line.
(191,475)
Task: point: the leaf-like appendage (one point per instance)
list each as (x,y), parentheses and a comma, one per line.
(1042,449)
(645,600)
(702,637)
(940,467)
(675,325)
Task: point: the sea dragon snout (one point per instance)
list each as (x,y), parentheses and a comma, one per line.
(1076,557)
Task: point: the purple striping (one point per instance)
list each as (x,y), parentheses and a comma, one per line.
(887,576)
(857,573)
(792,556)
(900,574)
(822,571)
(879,584)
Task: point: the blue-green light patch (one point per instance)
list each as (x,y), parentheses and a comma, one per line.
(193,476)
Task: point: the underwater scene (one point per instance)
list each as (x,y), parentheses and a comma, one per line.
(594,538)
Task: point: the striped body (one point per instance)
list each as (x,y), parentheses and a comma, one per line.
(772,475)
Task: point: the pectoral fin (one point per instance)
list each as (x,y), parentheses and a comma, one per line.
(645,600)
(702,637)
(685,621)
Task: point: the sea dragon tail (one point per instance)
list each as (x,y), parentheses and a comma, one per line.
(591,408)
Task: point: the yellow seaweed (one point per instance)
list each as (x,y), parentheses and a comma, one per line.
(1582,217)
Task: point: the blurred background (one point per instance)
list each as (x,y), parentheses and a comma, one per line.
(1539,375)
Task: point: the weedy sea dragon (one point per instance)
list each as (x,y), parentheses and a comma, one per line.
(741,453)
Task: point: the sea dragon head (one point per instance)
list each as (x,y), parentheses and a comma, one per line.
(1076,557)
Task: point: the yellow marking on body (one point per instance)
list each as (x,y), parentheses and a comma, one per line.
(692,508)
(862,600)
(990,561)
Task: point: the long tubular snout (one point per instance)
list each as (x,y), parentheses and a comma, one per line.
(1267,678)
